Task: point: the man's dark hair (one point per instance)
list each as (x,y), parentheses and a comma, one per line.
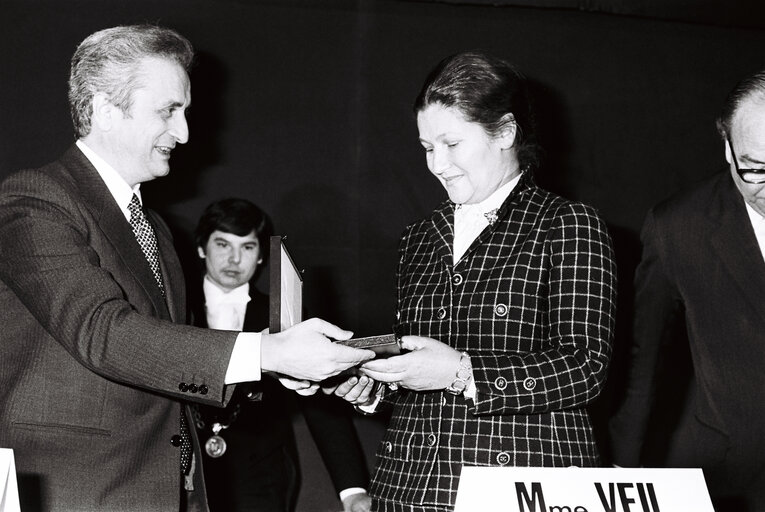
(233,215)
(751,86)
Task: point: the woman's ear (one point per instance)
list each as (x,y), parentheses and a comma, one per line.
(508,131)
(201,252)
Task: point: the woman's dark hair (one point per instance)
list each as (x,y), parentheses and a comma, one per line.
(485,90)
(750,86)
(233,215)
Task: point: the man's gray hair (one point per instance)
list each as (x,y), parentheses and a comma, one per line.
(108,61)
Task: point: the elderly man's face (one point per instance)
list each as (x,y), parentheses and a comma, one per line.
(141,139)
(748,139)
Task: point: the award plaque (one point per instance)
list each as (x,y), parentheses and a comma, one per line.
(286,302)
(285,288)
(383,346)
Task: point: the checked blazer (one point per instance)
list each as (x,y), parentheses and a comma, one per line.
(532,302)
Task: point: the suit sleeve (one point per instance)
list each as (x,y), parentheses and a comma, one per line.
(337,441)
(73,281)
(657,309)
(571,368)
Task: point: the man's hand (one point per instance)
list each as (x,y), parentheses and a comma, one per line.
(301,387)
(358,390)
(305,352)
(359,502)
(429,366)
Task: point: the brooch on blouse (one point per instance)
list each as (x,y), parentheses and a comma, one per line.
(491,216)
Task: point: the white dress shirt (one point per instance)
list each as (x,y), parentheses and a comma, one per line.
(244,364)
(758,223)
(470,219)
(225,309)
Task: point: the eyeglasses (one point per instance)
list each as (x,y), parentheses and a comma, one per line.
(755,176)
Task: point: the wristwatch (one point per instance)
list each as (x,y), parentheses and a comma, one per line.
(464,374)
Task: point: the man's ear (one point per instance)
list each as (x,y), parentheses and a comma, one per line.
(104,112)
(201,252)
(508,131)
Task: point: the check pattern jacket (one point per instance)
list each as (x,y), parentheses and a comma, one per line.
(532,302)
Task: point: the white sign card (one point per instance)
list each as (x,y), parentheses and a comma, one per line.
(9,490)
(502,489)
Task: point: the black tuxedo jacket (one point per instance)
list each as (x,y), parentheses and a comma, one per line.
(263,423)
(91,355)
(702,268)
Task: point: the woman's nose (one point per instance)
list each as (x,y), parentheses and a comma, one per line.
(439,161)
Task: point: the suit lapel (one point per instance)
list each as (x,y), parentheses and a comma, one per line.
(523,186)
(172,275)
(101,205)
(734,242)
(442,234)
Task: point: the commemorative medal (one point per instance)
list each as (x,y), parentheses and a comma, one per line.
(216,445)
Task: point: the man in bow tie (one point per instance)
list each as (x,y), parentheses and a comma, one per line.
(258,469)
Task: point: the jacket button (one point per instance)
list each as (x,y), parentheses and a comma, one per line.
(500,310)
(388,447)
(500,383)
(441,314)
(175,440)
(183,387)
(503,458)
(193,388)
(457,279)
(203,389)
(431,439)
(529,384)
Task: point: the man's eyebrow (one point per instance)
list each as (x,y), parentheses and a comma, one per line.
(177,104)
(751,159)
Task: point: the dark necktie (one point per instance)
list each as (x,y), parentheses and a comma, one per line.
(185,444)
(146,239)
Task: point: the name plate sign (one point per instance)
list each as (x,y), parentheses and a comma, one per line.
(9,491)
(582,490)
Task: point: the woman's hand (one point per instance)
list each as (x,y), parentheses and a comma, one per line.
(429,366)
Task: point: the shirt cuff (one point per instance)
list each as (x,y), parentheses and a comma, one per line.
(350,491)
(470,390)
(244,365)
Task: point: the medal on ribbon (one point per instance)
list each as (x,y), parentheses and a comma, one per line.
(216,445)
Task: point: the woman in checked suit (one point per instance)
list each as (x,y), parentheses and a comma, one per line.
(505,303)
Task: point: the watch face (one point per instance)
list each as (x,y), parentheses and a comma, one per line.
(457,387)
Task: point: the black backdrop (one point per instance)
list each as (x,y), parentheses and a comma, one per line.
(305,109)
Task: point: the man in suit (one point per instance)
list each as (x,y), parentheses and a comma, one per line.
(94,364)
(703,269)
(252,465)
